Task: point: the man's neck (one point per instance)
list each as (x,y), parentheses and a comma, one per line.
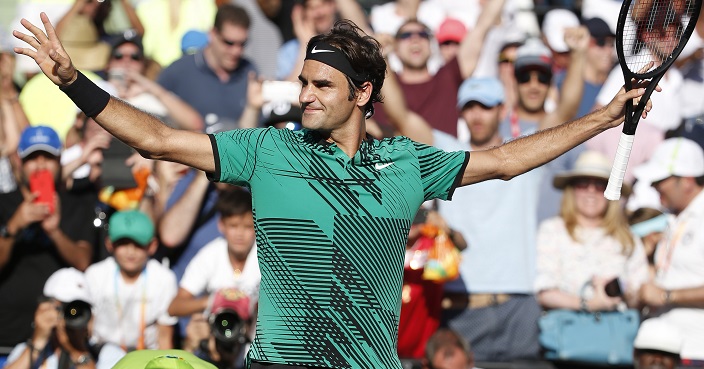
(530,116)
(493,142)
(349,137)
(414,75)
(210,59)
(236,260)
(129,278)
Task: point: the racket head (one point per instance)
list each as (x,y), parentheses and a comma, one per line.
(665,24)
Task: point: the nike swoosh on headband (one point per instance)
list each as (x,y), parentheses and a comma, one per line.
(316,50)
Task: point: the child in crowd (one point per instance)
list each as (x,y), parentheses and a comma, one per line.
(131,293)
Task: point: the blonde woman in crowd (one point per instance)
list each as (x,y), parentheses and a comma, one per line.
(588,245)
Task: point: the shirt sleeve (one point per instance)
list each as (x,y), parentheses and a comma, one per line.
(169,292)
(195,278)
(440,171)
(235,155)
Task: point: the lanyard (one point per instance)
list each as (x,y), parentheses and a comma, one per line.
(143,309)
(665,253)
(515,127)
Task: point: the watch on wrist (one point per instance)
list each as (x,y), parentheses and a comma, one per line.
(83,359)
(5,232)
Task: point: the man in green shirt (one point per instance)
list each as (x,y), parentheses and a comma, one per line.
(332,206)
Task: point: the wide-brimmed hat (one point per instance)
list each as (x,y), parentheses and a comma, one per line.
(589,164)
(82,43)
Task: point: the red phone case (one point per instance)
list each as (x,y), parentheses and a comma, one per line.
(41,182)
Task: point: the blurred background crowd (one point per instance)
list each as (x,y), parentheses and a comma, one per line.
(103,252)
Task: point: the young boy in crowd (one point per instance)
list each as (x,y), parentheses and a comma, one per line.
(132,292)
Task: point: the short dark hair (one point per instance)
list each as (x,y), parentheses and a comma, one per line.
(233,201)
(364,55)
(232,14)
(445,337)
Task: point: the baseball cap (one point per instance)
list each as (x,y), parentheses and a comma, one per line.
(450,30)
(230,299)
(677,156)
(162,359)
(133,225)
(598,28)
(39,138)
(487,91)
(281,111)
(129,36)
(193,41)
(67,285)
(656,334)
(554,25)
(533,54)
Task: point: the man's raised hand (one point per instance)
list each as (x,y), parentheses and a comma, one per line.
(47,51)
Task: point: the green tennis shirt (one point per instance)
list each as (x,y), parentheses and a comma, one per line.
(331,235)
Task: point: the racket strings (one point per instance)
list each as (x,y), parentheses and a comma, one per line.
(654,30)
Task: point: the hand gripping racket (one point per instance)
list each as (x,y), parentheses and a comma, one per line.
(647,31)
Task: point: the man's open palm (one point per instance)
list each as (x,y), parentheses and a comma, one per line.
(47,51)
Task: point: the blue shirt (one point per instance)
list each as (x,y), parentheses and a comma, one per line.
(219,103)
(288,53)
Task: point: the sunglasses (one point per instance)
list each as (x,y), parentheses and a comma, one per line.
(525,76)
(503,58)
(603,41)
(407,35)
(232,43)
(134,56)
(584,183)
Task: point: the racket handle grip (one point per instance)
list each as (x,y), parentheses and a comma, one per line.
(618,170)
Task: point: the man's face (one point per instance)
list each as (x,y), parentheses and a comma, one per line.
(127,57)
(413,46)
(533,86)
(451,357)
(671,193)
(600,54)
(482,121)
(647,359)
(662,42)
(238,231)
(228,45)
(324,97)
(40,160)
(321,13)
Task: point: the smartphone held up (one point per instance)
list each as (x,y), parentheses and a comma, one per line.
(41,183)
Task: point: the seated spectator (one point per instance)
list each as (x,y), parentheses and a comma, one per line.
(676,294)
(126,71)
(657,346)
(589,244)
(648,224)
(38,238)
(62,328)
(132,292)
(229,261)
(448,350)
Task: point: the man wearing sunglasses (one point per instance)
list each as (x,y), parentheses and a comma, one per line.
(126,70)
(214,79)
(432,95)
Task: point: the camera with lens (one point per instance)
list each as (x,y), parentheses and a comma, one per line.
(228,327)
(77,314)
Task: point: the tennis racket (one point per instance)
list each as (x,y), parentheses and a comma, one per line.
(647,30)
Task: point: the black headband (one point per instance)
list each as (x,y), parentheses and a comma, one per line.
(332,56)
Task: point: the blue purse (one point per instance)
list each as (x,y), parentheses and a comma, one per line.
(602,337)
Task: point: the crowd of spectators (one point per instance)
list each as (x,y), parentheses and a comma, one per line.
(103,252)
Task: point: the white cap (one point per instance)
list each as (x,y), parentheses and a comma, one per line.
(678,156)
(554,25)
(656,334)
(67,285)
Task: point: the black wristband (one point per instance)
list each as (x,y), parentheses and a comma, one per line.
(90,98)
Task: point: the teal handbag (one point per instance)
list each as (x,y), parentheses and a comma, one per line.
(602,337)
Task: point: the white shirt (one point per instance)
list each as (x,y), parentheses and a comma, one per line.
(666,113)
(121,310)
(679,259)
(210,270)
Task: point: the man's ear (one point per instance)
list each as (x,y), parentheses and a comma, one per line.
(108,245)
(364,93)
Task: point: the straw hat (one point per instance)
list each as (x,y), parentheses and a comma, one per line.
(81,41)
(589,164)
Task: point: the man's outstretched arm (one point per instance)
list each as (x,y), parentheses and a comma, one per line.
(521,155)
(134,127)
